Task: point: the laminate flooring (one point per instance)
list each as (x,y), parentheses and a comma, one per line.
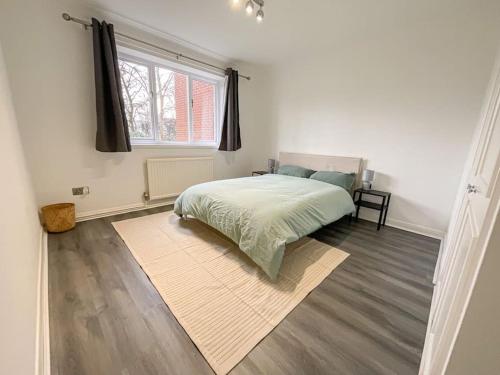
(368,317)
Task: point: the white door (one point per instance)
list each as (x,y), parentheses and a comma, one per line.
(468,231)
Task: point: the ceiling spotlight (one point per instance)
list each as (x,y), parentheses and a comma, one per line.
(236,2)
(249,7)
(260,15)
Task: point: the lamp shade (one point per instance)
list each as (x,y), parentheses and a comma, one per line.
(368,175)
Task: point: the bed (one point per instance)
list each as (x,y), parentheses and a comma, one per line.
(262,214)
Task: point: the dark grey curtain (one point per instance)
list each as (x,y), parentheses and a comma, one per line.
(230,138)
(112,127)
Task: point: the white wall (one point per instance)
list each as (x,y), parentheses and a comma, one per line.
(477,349)
(20,234)
(51,71)
(406,101)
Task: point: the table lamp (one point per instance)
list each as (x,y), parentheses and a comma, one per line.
(367,178)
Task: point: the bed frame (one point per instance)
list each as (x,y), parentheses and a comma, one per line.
(325,163)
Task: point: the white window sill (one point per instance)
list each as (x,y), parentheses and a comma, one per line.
(174,146)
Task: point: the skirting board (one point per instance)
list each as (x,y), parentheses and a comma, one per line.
(415,228)
(96,214)
(89,215)
(409,227)
(42,355)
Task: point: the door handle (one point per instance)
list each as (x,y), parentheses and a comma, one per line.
(472,189)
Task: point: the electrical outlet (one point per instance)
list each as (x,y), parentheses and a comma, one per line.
(82,190)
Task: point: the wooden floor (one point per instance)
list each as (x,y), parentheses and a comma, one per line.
(368,317)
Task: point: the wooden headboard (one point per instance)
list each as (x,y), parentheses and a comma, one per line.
(325,163)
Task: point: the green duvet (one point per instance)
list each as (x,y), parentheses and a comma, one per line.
(263,214)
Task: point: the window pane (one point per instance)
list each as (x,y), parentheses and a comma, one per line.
(136,88)
(172,104)
(203,111)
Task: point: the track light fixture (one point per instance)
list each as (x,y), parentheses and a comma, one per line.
(250,6)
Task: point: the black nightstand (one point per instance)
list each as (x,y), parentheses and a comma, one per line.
(259,173)
(383,207)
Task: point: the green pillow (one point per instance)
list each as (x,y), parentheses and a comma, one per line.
(295,170)
(344,180)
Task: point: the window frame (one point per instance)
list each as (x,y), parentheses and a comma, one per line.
(151,61)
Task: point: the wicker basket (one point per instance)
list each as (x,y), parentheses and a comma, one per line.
(59,217)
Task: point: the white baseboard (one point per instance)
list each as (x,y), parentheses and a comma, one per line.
(410,227)
(416,228)
(42,355)
(96,214)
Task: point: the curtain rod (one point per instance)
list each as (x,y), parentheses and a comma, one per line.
(178,55)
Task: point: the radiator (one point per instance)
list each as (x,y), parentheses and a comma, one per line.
(169,177)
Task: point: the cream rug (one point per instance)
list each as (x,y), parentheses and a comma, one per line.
(220,297)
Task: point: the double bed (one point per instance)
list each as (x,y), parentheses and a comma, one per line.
(262,214)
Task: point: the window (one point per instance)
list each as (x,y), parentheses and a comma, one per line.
(167,103)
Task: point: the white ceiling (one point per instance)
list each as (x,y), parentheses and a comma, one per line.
(290,26)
